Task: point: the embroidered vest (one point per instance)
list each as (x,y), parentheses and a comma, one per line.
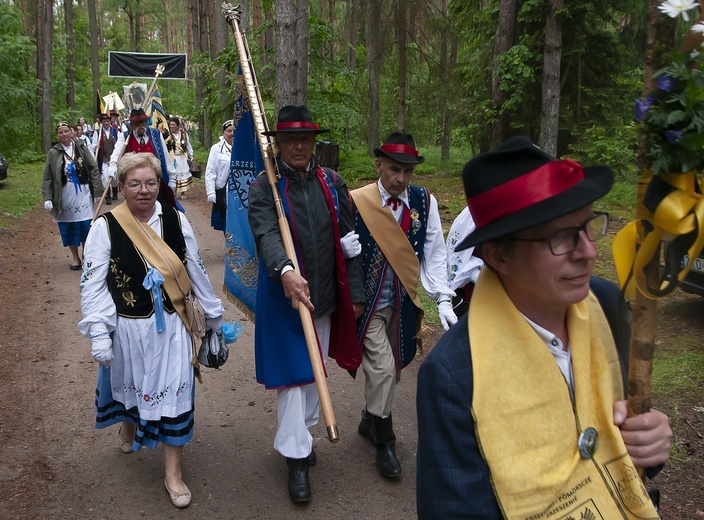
(375,265)
(128,267)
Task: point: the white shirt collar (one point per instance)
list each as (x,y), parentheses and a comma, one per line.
(68,149)
(385,196)
(145,136)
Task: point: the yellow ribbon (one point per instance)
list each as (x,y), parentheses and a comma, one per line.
(678,221)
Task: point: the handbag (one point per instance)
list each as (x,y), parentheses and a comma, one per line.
(195,169)
(213,351)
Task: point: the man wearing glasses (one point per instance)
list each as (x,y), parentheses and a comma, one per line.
(521,410)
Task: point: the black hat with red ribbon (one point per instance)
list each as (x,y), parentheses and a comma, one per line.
(518,185)
(401,148)
(295,119)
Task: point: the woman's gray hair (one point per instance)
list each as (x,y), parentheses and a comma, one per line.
(130,161)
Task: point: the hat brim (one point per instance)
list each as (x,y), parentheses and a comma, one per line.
(596,183)
(403,158)
(139,118)
(292,130)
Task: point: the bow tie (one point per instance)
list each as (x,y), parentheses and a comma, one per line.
(394,203)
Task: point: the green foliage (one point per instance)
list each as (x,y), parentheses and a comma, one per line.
(20,192)
(614,146)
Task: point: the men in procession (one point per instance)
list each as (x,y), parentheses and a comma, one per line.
(103,144)
(521,410)
(401,241)
(140,139)
(216,173)
(317,207)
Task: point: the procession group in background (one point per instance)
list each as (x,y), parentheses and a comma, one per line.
(519,404)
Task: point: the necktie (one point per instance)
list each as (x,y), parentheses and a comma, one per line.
(141,140)
(394,203)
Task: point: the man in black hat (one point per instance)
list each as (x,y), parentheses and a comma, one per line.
(521,410)
(317,207)
(142,139)
(401,241)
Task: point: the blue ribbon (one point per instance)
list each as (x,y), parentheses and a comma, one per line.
(73,175)
(153,281)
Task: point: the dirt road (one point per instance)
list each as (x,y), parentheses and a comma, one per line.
(55,465)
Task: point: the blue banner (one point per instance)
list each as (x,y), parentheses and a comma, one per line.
(241,263)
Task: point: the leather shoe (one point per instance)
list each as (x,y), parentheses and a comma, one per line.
(179,500)
(386,462)
(312,458)
(366,427)
(298,483)
(108,201)
(125,442)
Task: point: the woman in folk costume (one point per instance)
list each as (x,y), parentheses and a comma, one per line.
(180,148)
(216,173)
(70,181)
(141,258)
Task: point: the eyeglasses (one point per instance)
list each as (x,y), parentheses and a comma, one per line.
(137,186)
(565,241)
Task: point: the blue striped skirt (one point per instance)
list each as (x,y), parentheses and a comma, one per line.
(74,233)
(174,431)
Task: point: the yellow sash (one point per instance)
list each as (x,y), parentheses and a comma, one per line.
(526,425)
(145,246)
(391,239)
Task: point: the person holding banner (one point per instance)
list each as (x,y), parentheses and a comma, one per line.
(141,139)
(401,241)
(521,410)
(141,257)
(317,206)
(179,145)
(216,173)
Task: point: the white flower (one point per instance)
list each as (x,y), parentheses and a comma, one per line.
(698,28)
(675,8)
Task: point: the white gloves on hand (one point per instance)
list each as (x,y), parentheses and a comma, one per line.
(447,315)
(48,205)
(211,198)
(350,245)
(214,324)
(101,350)
(112,171)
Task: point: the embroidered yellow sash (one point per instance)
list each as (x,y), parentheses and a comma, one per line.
(391,239)
(526,425)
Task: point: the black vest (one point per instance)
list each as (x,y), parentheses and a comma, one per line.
(128,267)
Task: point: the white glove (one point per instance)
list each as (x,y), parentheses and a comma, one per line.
(172,185)
(214,324)
(101,350)
(48,205)
(112,171)
(211,198)
(350,245)
(447,315)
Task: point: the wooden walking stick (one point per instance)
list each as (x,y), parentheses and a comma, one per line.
(233,14)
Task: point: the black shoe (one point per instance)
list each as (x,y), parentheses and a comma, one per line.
(108,201)
(114,193)
(366,427)
(298,483)
(312,458)
(386,462)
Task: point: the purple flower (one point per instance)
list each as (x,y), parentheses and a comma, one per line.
(642,107)
(666,82)
(673,136)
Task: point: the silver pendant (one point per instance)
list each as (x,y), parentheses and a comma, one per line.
(588,443)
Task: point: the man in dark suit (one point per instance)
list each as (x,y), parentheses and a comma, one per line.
(520,405)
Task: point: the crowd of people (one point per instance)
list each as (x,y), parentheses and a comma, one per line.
(520,403)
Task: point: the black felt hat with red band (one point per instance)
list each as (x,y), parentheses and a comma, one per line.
(137,114)
(401,148)
(295,119)
(518,185)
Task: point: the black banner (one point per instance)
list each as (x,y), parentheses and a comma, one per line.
(143,65)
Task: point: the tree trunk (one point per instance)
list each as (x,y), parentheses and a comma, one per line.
(291,72)
(374,57)
(70,82)
(45,35)
(352,30)
(503,41)
(222,32)
(401,50)
(94,45)
(550,116)
(447,109)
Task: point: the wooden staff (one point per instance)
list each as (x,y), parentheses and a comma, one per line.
(233,14)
